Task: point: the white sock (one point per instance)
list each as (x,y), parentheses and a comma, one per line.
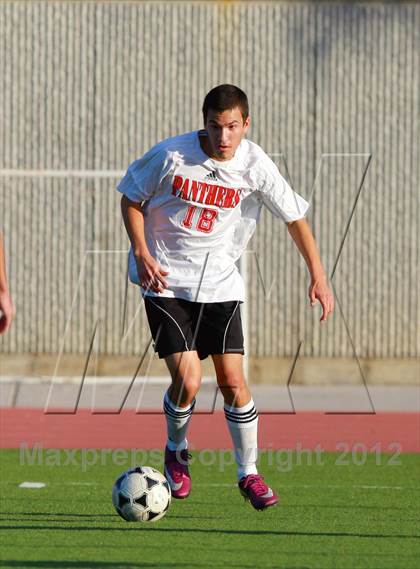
(243,427)
(177,421)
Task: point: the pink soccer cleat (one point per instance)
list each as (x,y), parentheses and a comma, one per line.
(176,472)
(254,489)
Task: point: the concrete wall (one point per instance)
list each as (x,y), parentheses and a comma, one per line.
(92,85)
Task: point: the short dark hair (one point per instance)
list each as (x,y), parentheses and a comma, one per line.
(224,98)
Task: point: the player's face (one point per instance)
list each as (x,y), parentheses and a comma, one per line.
(225,131)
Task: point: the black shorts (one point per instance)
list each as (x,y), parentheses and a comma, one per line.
(179,325)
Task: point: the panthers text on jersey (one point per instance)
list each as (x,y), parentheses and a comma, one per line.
(199,213)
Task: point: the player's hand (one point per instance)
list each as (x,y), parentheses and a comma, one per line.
(319,290)
(151,274)
(7,312)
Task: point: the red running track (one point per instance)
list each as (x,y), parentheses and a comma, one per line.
(128,430)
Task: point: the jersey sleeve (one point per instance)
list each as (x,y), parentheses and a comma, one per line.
(144,175)
(277,195)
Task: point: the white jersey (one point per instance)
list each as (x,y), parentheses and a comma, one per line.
(200,213)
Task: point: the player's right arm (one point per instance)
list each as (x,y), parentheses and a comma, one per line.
(140,183)
(151,274)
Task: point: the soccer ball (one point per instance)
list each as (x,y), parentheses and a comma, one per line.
(141,494)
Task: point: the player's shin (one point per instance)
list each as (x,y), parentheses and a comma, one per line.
(243,427)
(177,421)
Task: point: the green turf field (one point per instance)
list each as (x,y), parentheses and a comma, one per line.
(332,514)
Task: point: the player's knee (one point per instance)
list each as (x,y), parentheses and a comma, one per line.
(184,389)
(190,385)
(231,382)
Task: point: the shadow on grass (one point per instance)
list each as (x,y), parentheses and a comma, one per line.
(54,517)
(129,526)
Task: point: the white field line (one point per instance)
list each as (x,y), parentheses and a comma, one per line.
(232,485)
(32,485)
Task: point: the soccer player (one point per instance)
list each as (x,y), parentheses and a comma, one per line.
(190,206)
(7,310)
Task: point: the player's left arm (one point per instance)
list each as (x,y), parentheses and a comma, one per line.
(7,309)
(319,288)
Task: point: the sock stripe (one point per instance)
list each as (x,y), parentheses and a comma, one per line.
(177,414)
(244,415)
(242,420)
(170,414)
(229,410)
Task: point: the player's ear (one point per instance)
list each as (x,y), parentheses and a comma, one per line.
(247,122)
